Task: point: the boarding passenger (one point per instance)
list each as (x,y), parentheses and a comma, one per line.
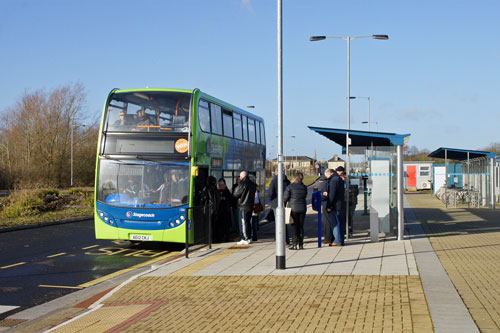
(225,213)
(295,194)
(245,195)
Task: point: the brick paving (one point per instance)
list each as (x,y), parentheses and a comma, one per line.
(467,242)
(280,303)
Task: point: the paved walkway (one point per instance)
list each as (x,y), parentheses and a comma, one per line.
(362,287)
(467,242)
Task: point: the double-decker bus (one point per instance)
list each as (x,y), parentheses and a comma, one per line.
(156,149)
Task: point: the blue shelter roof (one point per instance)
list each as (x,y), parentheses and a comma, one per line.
(460,154)
(362,138)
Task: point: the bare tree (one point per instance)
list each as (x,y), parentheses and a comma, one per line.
(36,135)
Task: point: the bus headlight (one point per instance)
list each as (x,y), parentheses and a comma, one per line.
(182,217)
(106,217)
(177,221)
(171,224)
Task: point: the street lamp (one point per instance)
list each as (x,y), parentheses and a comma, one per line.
(368,98)
(349,38)
(368,122)
(72,148)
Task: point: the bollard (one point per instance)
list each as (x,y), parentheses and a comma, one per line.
(365,192)
(316,205)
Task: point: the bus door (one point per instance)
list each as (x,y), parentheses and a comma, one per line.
(200,215)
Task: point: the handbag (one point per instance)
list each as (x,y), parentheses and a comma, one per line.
(257,208)
(288,215)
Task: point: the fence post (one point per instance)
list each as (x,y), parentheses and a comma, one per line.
(210,227)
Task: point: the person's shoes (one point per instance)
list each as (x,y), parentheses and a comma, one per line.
(325,242)
(248,241)
(301,247)
(330,244)
(242,242)
(335,244)
(293,247)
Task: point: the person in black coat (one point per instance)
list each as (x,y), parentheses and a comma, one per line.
(325,220)
(245,195)
(295,194)
(334,206)
(210,197)
(272,197)
(224,214)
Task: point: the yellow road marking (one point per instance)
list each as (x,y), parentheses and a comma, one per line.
(19,263)
(49,286)
(112,275)
(89,247)
(57,255)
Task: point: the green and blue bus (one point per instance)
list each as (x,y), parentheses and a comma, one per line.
(156,149)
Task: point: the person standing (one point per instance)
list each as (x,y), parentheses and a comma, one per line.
(325,221)
(210,197)
(272,196)
(296,194)
(335,205)
(257,208)
(245,195)
(224,215)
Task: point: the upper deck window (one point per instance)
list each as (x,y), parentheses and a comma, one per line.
(216,117)
(227,118)
(148,111)
(251,130)
(237,125)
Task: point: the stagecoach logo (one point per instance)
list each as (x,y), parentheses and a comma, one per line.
(181,145)
(134,214)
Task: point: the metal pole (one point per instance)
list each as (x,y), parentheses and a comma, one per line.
(348,83)
(369,114)
(72,130)
(280,222)
(401,214)
(210,226)
(348,187)
(186,226)
(446,177)
(492,181)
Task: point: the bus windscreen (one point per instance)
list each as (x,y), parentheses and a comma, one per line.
(143,184)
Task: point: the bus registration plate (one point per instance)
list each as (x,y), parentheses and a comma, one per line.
(141,237)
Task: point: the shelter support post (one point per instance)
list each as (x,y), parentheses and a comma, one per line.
(492,182)
(400,193)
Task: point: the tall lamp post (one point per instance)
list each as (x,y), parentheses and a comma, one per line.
(367,98)
(72,149)
(348,39)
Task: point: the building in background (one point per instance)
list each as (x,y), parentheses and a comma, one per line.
(335,162)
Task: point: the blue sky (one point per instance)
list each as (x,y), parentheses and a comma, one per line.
(437,77)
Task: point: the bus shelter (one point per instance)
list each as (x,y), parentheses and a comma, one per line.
(379,164)
(474,183)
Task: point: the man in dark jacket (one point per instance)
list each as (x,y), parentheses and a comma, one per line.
(245,195)
(325,220)
(335,203)
(272,196)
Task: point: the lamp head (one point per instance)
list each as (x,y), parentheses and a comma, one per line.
(316,38)
(381,37)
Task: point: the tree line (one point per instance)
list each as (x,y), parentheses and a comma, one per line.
(35,140)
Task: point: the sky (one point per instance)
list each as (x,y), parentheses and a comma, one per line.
(436,78)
